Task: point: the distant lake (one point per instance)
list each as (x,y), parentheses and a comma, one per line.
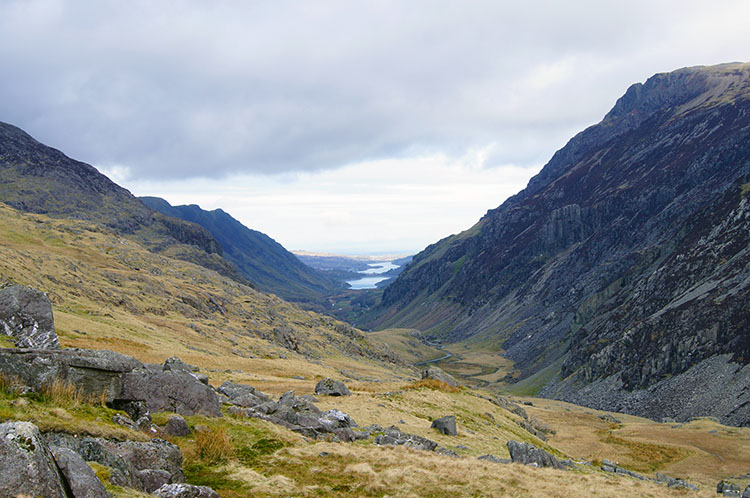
(370,282)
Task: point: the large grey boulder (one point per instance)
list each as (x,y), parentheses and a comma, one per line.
(81,478)
(26,315)
(331,387)
(176,426)
(185,491)
(528,454)
(95,372)
(446,425)
(26,465)
(438,374)
(176,391)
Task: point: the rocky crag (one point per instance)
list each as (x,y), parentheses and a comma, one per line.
(619,276)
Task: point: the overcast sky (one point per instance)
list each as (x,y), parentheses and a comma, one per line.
(339,126)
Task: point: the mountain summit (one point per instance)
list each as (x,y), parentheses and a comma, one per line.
(620,276)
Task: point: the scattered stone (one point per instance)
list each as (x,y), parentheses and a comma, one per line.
(671,482)
(609,466)
(81,479)
(392,436)
(331,388)
(447,452)
(26,466)
(436,373)
(242,394)
(528,454)
(492,458)
(446,425)
(185,491)
(26,315)
(176,426)
(609,418)
(323,454)
(123,420)
(528,403)
(298,377)
(726,488)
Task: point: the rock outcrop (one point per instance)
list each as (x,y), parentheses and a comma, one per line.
(26,465)
(26,316)
(528,454)
(437,373)
(81,478)
(392,436)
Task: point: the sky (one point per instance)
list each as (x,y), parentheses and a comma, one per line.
(350,127)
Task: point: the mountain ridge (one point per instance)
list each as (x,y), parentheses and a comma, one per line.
(606,211)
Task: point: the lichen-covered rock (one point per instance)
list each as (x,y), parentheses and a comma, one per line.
(528,454)
(331,387)
(153,479)
(436,373)
(26,315)
(81,478)
(242,394)
(446,425)
(26,465)
(185,491)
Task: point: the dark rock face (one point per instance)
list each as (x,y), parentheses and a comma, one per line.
(80,478)
(626,255)
(26,465)
(393,436)
(446,425)
(185,491)
(332,387)
(528,454)
(26,315)
(437,373)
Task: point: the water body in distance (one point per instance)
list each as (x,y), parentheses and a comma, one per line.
(371,282)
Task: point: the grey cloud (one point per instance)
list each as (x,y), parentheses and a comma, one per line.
(194,88)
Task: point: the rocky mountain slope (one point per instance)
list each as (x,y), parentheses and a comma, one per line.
(624,261)
(39,179)
(257,256)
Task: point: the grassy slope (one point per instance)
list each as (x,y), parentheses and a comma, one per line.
(108,292)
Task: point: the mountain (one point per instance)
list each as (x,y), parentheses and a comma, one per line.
(39,179)
(620,276)
(258,257)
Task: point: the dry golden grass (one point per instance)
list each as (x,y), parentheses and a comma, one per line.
(63,393)
(213,446)
(435,384)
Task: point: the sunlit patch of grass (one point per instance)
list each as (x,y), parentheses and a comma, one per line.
(644,457)
(435,384)
(7,341)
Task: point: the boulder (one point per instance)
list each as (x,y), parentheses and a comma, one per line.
(336,419)
(438,374)
(242,394)
(528,454)
(170,390)
(81,478)
(727,488)
(176,426)
(447,452)
(95,372)
(26,315)
(185,491)
(153,479)
(26,465)
(609,466)
(393,436)
(125,458)
(331,387)
(671,482)
(446,425)
(493,459)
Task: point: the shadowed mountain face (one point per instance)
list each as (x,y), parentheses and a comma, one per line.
(39,179)
(625,260)
(258,257)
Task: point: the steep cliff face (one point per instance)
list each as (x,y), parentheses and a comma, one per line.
(39,179)
(627,254)
(257,256)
